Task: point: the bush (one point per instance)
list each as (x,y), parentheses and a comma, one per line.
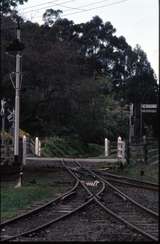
(69,147)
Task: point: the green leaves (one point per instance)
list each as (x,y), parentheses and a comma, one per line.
(7,6)
(51,15)
(75,76)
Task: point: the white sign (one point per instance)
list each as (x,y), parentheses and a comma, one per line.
(148,110)
(10,117)
(148,106)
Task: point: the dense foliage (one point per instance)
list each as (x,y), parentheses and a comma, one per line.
(7,6)
(76,77)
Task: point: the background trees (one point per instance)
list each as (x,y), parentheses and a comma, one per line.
(76,77)
(8,5)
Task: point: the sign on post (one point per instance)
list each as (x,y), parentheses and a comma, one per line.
(148,108)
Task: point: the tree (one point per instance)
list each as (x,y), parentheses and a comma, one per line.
(142,86)
(7,6)
(72,73)
(50,16)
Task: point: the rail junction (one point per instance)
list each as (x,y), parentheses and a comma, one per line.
(115,206)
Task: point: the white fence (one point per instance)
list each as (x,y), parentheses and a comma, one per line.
(119,148)
(31,148)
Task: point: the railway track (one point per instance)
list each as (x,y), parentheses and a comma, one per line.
(134,214)
(31,219)
(47,214)
(128,181)
(89,188)
(148,198)
(146,193)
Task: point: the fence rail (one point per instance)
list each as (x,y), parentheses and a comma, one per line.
(28,147)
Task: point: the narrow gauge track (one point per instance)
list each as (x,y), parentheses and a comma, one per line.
(128,180)
(145,193)
(124,208)
(81,176)
(24,223)
(147,197)
(49,213)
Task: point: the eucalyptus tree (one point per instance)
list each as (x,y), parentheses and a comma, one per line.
(7,6)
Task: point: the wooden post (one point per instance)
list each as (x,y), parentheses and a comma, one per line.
(120,148)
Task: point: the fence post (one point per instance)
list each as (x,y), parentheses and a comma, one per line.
(36,146)
(24,149)
(106,147)
(39,148)
(120,149)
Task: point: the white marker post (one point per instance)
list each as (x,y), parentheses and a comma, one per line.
(120,149)
(106,147)
(36,146)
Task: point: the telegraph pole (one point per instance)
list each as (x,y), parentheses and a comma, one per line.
(130,122)
(17,99)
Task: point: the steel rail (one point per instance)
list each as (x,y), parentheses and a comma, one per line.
(49,223)
(133,184)
(120,218)
(132,226)
(96,198)
(86,188)
(120,180)
(36,210)
(65,215)
(126,196)
(129,179)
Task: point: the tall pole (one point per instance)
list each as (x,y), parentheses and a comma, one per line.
(3,118)
(130,122)
(17,100)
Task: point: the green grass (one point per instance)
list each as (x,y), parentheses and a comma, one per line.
(151,171)
(35,189)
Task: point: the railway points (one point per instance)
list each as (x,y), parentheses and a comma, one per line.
(80,197)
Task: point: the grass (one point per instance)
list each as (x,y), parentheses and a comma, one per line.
(35,189)
(40,186)
(68,147)
(151,171)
